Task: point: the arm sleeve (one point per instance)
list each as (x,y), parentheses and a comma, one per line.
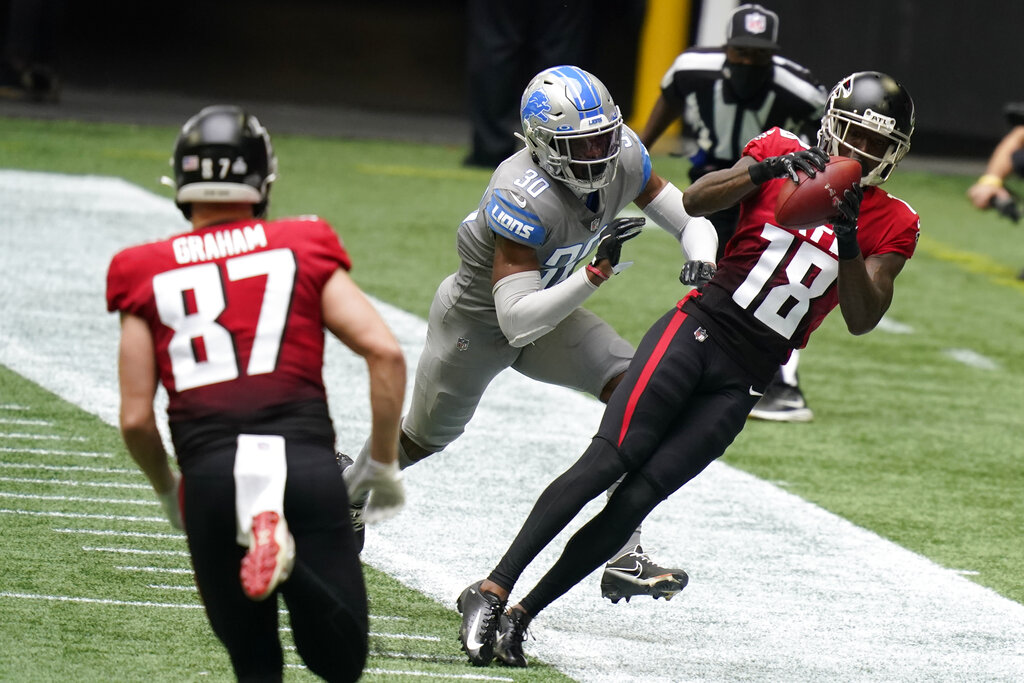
(526,312)
(696,235)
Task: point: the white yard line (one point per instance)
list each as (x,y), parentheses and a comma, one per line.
(77,499)
(972,359)
(887,324)
(426,674)
(780,589)
(48,451)
(119,534)
(136,551)
(81,515)
(68,482)
(154,570)
(39,437)
(98,601)
(68,468)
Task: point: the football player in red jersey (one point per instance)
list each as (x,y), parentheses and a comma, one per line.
(701,367)
(230,318)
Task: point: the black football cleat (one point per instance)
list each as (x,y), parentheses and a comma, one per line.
(481,612)
(782,402)
(508,644)
(355,509)
(634,573)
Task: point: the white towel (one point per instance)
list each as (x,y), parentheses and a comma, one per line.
(260,475)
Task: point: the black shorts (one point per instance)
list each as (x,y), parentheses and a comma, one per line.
(325,595)
(682,402)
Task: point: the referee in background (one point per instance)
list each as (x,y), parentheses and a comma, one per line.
(726,96)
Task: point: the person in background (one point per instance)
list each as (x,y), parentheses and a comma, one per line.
(727,95)
(508,44)
(28,46)
(230,318)
(990,191)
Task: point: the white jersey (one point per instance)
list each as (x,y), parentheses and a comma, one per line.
(523,203)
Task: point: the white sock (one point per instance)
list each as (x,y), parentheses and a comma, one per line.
(789,369)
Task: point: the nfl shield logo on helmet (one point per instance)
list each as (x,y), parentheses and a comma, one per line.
(755,22)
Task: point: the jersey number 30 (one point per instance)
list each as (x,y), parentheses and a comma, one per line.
(220,363)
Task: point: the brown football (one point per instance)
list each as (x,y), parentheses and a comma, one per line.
(812,202)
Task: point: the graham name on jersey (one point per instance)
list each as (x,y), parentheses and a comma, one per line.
(217,244)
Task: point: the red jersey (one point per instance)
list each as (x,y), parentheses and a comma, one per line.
(775,286)
(234,310)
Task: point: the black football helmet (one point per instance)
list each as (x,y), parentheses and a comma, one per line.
(223,154)
(875,102)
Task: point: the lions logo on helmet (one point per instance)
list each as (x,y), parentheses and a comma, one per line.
(572,127)
(874,102)
(535,107)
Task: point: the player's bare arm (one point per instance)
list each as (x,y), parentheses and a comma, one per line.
(720,189)
(866,289)
(137,377)
(999,167)
(511,258)
(350,316)
(662,115)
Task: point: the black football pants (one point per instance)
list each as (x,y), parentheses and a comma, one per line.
(325,594)
(682,402)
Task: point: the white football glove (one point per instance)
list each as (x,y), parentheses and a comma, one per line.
(382,482)
(169,502)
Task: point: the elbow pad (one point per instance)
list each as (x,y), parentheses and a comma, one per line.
(696,235)
(526,312)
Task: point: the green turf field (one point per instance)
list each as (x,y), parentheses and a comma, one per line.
(908,440)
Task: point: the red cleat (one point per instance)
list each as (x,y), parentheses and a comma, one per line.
(270,557)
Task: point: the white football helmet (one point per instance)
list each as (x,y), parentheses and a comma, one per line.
(875,102)
(572,127)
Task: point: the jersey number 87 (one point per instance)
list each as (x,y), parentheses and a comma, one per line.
(191,328)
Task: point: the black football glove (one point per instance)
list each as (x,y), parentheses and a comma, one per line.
(697,273)
(810,161)
(618,231)
(844,225)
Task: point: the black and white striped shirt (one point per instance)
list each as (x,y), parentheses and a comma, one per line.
(719,124)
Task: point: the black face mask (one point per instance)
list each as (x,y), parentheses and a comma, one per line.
(747,80)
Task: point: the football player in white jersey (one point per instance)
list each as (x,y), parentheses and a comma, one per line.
(515,300)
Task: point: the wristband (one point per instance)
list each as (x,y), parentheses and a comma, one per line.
(759,173)
(991,180)
(596,271)
(848,245)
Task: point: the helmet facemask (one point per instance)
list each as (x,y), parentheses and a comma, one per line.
(835,128)
(572,127)
(586,160)
(869,117)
